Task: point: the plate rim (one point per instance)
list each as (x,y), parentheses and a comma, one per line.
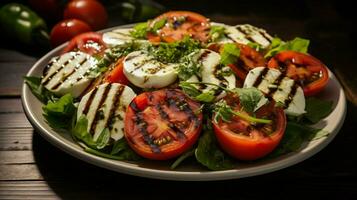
(123,167)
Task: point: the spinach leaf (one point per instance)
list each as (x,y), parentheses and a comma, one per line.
(103,139)
(80,132)
(189,89)
(317,109)
(230,54)
(294,137)
(208,153)
(183,157)
(37,89)
(250,98)
(122,151)
(297,44)
(59,114)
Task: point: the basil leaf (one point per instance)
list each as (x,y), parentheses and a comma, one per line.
(37,89)
(103,139)
(159,24)
(183,157)
(59,114)
(80,132)
(297,44)
(140,30)
(230,54)
(317,109)
(222,111)
(250,98)
(216,33)
(209,155)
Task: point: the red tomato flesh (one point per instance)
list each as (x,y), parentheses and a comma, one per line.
(245,141)
(162,124)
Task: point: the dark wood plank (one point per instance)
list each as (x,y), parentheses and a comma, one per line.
(17,139)
(11,77)
(16,157)
(14,120)
(10,105)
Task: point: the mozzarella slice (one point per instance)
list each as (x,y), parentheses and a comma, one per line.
(281,88)
(117,36)
(245,34)
(144,71)
(69,73)
(105,107)
(212,71)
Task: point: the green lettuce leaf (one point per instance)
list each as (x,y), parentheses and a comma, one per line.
(230,54)
(297,44)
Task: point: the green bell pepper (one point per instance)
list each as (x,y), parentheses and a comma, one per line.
(24,25)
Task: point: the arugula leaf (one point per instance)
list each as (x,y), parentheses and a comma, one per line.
(250,98)
(225,112)
(183,157)
(230,54)
(159,24)
(294,137)
(37,89)
(217,32)
(189,89)
(208,153)
(206,97)
(59,114)
(297,44)
(140,30)
(317,109)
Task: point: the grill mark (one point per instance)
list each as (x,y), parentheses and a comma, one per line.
(75,69)
(260,77)
(277,83)
(291,95)
(264,35)
(115,105)
(140,65)
(45,70)
(203,55)
(101,102)
(166,117)
(142,125)
(246,34)
(89,101)
(132,57)
(172,98)
(59,69)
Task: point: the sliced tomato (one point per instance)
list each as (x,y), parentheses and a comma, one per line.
(90,43)
(246,141)
(162,124)
(116,74)
(308,71)
(180,24)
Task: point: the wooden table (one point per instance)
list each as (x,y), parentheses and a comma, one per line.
(31,168)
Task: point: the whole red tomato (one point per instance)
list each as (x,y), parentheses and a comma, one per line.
(66,30)
(90,11)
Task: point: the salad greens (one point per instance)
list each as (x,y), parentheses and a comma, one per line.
(297,44)
(216,33)
(37,89)
(230,54)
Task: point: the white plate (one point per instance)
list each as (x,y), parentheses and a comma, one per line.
(188,172)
